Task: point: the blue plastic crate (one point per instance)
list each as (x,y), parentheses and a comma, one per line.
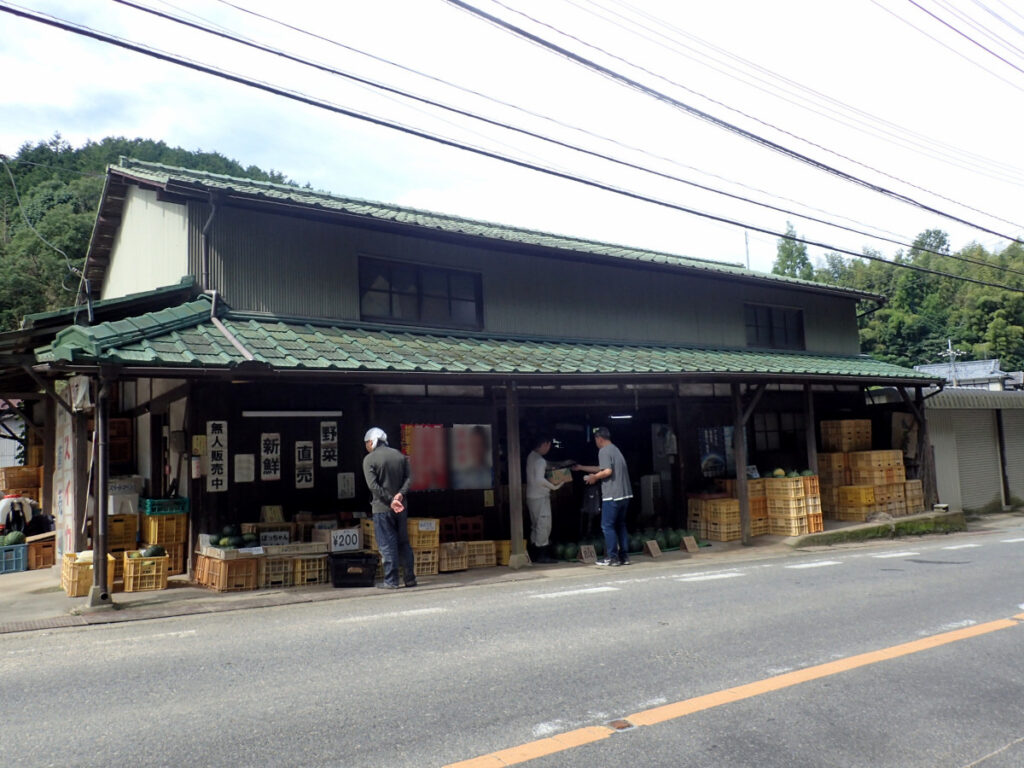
(14,558)
(165,506)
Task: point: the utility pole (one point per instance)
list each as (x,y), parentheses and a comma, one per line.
(951,355)
(746,244)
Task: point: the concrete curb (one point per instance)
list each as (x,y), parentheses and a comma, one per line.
(912,525)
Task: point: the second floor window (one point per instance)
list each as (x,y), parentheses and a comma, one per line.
(774,327)
(419,295)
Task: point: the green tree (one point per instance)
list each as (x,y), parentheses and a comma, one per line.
(791,257)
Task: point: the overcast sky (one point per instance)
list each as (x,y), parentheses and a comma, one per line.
(938,117)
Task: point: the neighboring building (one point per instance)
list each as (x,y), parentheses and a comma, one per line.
(271,310)
(974,374)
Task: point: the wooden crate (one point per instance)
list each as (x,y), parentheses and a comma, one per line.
(76,575)
(424,532)
(228,575)
(857,496)
(426,561)
(454,556)
(716,531)
(28,493)
(145,574)
(784,487)
(275,572)
(21,477)
(787,507)
(176,558)
(42,553)
(164,529)
(787,526)
(846,435)
(481,554)
(311,569)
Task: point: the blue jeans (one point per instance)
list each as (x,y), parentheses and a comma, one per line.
(613,525)
(392,534)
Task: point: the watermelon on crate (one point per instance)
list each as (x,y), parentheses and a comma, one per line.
(154,550)
(13,538)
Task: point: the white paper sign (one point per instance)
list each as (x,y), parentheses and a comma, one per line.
(303,463)
(346,485)
(274,538)
(217,448)
(270,456)
(245,467)
(346,539)
(328,443)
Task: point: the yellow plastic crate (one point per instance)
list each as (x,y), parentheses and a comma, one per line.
(787,507)
(787,526)
(454,556)
(311,569)
(424,532)
(145,574)
(76,575)
(784,487)
(857,496)
(426,561)
(480,554)
(503,550)
(164,529)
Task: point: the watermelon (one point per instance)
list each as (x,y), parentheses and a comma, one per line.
(599,547)
(237,541)
(154,550)
(636,542)
(780,472)
(560,551)
(673,538)
(231,530)
(807,473)
(251,539)
(134,555)
(225,541)
(661,540)
(572,551)
(13,538)
(793,474)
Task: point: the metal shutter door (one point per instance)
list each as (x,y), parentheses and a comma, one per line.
(977,448)
(1013,435)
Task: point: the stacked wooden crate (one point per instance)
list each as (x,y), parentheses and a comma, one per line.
(721,519)
(914,491)
(794,505)
(877,486)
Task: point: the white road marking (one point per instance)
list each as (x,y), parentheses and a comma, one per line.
(818,564)
(391,615)
(570,592)
(711,576)
(896,554)
(1012,541)
(947,627)
(963,546)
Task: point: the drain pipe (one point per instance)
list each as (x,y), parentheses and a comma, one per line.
(206,244)
(228,335)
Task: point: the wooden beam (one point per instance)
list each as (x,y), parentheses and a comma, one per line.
(47,387)
(754,400)
(925,454)
(809,432)
(518,557)
(739,438)
(30,425)
(155,404)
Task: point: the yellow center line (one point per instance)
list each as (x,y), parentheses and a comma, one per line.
(564,741)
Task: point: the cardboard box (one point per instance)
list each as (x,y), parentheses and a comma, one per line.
(559,476)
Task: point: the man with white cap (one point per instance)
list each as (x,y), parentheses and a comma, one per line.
(388,476)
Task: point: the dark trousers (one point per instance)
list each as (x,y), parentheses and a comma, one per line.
(392,534)
(613,525)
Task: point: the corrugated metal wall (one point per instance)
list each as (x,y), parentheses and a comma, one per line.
(1013,437)
(306,268)
(947,465)
(977,443)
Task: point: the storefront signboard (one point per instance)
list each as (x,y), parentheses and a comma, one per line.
(217,449)
(303,463)
(270,456)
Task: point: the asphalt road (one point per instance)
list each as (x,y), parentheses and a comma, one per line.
(433,678)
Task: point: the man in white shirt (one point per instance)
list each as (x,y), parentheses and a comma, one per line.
(538,501)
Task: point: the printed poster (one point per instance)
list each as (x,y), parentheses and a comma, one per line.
(217,446)
(471,457)
(303,463)
(328,443)
(270,456)
(716,452)
(424,444)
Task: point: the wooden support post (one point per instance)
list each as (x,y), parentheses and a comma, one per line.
(925,454)
(739,437)
(49,456)
(518,558)
(82,453)
(99,595)
(809,432)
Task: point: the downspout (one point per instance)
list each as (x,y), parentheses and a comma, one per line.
(228,335)
(205,267)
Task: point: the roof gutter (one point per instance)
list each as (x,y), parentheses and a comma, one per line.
(206,245)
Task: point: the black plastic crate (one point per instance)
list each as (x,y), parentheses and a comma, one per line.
(353,569)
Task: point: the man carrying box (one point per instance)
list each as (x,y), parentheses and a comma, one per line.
(538,501)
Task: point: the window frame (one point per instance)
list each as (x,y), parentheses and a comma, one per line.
(375,265)
(779,322)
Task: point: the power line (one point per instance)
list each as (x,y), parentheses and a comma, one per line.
(716,121)
(792,92)
(948,47)
(540,116)
(965,36)
(979,27)
(998,16)
(164,56)
(227,35)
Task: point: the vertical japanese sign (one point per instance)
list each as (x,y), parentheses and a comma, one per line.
(303,463)
(328,443)
(270,456)
(217,446)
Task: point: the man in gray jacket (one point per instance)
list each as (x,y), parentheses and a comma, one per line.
(388,476)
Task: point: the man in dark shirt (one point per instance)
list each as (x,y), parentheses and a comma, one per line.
(387,475)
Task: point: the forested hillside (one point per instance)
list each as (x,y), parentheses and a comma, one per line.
(924,310)
(60,188)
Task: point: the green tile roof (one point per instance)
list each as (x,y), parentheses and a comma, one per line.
(164,175)
(185,337)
